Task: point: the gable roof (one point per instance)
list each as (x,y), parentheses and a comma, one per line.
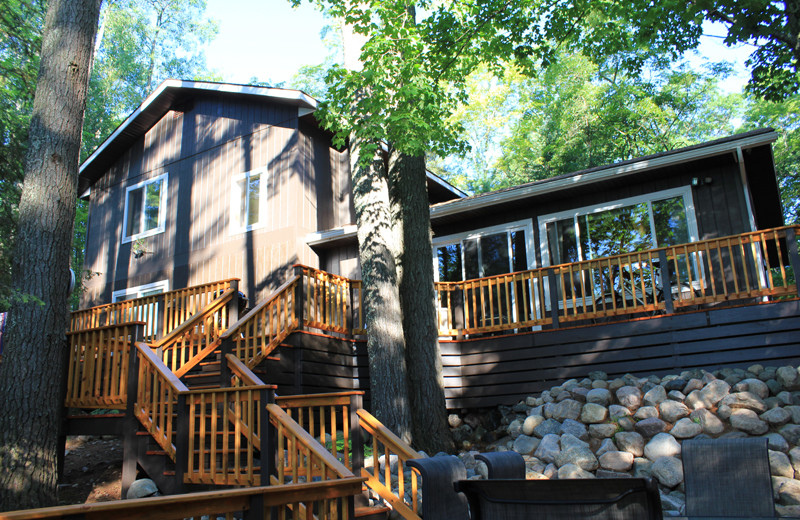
(158,103)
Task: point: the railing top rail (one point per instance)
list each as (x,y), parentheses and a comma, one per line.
(159,295)
(313,445)
(401,448)
(227,390)
(212,306)
(302,397)
(166,373)
(107,327)
(196,504)
(327,274)
(255,310)
(243,372)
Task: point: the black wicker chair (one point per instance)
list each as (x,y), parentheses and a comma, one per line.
(503,464)
(727,478)
(600,499)
(440,501)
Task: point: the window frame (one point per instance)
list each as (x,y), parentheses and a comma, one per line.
(138,290)
(235,227)
(162,209)
(525,225)
(648,198)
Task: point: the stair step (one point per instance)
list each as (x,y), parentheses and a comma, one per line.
(372,512)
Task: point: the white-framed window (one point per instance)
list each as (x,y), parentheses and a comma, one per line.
(151,312)
(130,293)
(484,252)
(248,201)
(648,221)
(145,209)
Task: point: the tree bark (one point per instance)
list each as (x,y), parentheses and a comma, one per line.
(383,318)
(409,196)
(33,370)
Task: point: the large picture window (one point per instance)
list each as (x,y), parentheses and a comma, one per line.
(658,219)
(248,201)
(145,208)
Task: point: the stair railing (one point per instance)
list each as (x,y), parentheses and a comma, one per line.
(329,501)
(261,331)
(157,398)
(397,486)
(162,312)
(97,371)
(300,457)
(197,337)
(330,302)
(331,419)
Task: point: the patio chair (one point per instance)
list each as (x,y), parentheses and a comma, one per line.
(601,499)
(503,464)
(440,501)
(727,478)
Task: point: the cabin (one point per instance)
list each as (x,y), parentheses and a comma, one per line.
(225,311)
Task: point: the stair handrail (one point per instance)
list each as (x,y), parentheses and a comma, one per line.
(241,374)
(301,453)
(249,340)
(331,302)
(393,445)
(154,380)
(198,352)
(218,502)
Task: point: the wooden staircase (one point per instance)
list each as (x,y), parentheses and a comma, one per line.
(191,406)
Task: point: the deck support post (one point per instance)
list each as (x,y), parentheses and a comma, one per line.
(666,283)
(268,438)
(553,285)
(130,444)
(356,435)
(226,347)
(181,442)
(299,297)
(794,255)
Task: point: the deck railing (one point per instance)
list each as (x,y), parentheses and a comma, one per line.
(224,432)
(162,312)
(330,302)
(300,457)
(97,373)
(156,404)
(392,482)
(331,500)
(729,269)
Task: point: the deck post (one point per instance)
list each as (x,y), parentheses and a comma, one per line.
(130,444)
(226,347)
(268,437)
(794,256)
(553,285)
(181,442)
(299,297)
(666,283)
(356,436)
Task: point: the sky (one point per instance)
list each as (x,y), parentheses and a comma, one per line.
(267,39)
(270,40)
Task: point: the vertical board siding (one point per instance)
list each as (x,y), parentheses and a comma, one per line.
(202,150)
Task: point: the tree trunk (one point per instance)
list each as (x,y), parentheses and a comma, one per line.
(33,370)
(420,325)
(383,319)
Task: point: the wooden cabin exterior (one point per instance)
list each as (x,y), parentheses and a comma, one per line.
(208,182)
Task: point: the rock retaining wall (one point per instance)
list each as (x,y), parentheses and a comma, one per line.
(633,426)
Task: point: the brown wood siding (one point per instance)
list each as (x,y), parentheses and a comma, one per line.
(202,150)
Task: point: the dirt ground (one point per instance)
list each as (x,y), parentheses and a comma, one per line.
(92,470)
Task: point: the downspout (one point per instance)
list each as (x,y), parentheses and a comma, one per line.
(748,198)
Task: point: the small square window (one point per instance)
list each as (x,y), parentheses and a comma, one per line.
(247,202)
(145,208)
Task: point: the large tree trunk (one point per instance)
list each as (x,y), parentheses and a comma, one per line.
(33,370)
(384,323)
(409,196)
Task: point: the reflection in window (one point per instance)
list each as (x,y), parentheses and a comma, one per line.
(247,204)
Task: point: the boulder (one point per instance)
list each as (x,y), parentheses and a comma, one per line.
(662,445)
(668,471)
